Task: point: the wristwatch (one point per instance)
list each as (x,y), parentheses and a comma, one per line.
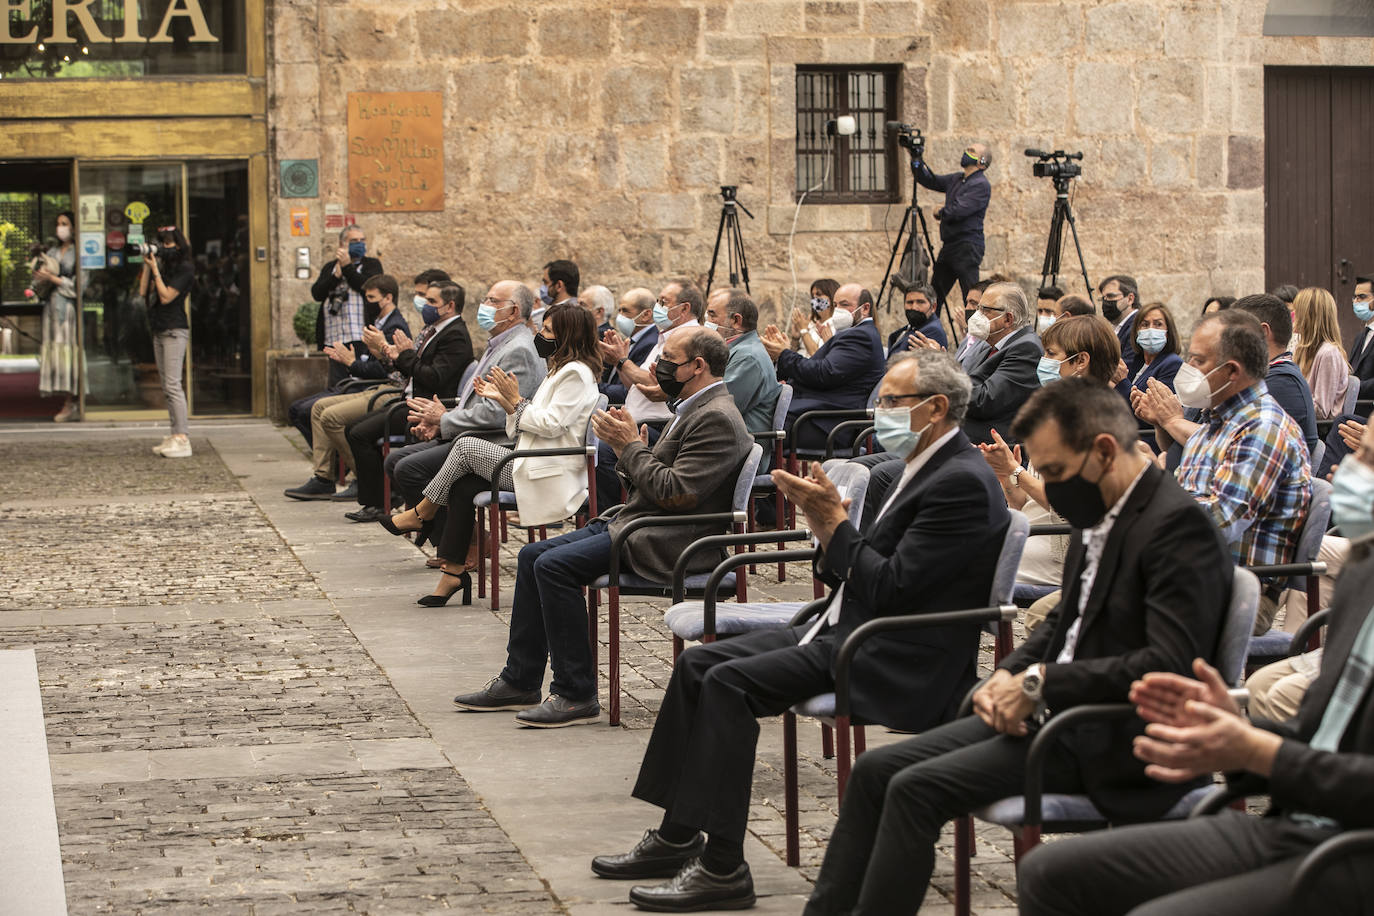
(1014,478)
(1033,683)
(621,362)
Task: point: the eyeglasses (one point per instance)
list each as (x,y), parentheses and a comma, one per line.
(989,308)
(1117,298)
(666,303)
(887,401)
(490,301)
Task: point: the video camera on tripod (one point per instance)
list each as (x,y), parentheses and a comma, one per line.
(910,139)
(1057,165)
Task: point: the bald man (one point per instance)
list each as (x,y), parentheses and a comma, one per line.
(967,193)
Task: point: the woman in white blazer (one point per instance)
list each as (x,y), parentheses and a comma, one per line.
(547,489)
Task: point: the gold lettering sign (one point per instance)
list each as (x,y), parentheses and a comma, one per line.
(395,151)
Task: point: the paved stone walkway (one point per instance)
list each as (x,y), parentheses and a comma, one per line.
(246,713)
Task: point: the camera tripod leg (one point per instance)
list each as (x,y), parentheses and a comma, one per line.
(1073,228)
(1049,271)
(737,257)
(715,253)
(892,258)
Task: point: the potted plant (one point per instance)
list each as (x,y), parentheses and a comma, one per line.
(300,374)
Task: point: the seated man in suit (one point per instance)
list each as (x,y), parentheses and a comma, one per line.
(433,364)
(934,547)
(971,350)
(504,315)
(691,469)
(1362,348)
(634,338)
(1315,769)
(922,317)
(1145,584)
(1006,376)
(1120,301)
(840,375)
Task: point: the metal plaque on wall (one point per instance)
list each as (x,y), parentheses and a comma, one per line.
(395,151)
(300,178)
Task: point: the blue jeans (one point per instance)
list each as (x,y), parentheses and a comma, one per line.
(549,613)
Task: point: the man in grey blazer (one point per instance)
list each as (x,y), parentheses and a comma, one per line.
(691,469)
(510,345)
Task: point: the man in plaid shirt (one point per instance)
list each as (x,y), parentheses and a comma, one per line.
(339,290)
(1246,463)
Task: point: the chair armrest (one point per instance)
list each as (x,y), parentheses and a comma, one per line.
(768,434)
(1289,569)
(1341,846)
(729,540)
(1219,798)
(811,416)
(531,453)
(384,392)
(708,602)
(395,407)
(808,610)
(1304,633)
(865,631)
(664,521)
(1044,530)
(1044,740)
(859,423)
(357,384)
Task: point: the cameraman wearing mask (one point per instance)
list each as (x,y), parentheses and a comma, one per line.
(339,290)
(164,283)
(967,193)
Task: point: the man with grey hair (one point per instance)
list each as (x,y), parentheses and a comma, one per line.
(933,547)
(1006,377)
(749,375)
(601,302)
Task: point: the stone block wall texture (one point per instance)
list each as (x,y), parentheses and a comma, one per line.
(600,130)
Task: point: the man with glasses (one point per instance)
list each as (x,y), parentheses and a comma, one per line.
(937,537)
(1120,300)
(967,193)
(1006,377)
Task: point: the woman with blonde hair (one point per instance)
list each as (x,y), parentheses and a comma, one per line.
(1319,355)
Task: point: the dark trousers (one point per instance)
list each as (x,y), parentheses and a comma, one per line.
(699,765)
(1336,449)
(882,851)
(548,620)
(363,439)
(460,517)
(884,469)
(1229,864)
(413,466)
(607,480)
(298,414)
(958,261)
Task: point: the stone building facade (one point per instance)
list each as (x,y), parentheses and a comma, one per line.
(601,131)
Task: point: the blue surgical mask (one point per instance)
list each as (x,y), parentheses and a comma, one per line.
(892,426)
(486,316)
(429,313)
(1152,340)
(661,318)
(356,250)
(1048,369)
(544,296)
(1352,497)
(626,325)
(420,303)
(1363,310)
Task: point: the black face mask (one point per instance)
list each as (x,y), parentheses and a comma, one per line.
(168,255)
(916,318)
(969,313)
(544,346)
(1111,310)
(1077,499)
(665,373)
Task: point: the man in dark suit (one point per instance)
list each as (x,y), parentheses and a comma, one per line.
(434,365)
(938,537)
(1316,770)
(339,290)
(1120,302)
(634,339)
(1006,377)
(922,317)
(840,375)
(1146,580)
(691,469)
(1362,348)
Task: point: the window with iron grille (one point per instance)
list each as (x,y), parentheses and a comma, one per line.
(861,168)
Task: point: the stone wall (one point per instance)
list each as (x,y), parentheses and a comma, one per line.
(600,131)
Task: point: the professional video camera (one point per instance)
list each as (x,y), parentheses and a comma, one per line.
(909,137)
(1056,165)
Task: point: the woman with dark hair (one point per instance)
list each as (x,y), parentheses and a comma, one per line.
(805,330)
(59,359)
(164,283)
(547,489)
(1217,304)
(1155,337)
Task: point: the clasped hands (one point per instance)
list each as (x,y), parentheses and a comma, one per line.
(1002,704)
(817,497)
(1156,404)
(616,428)
(501,387)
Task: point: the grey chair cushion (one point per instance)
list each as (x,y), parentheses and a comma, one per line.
(1076,809)
(629,582)
(1266,645)
(687,622)
(821,706)
(483,500)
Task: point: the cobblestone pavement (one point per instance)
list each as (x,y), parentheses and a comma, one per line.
(105,467)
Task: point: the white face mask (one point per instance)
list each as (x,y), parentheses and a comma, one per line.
(1042,323)
(64,233)
(1191,386)
(979,327)
(842,320)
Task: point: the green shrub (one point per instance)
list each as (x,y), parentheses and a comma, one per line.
(304,322)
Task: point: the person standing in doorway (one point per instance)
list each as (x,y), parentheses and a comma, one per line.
(59,360)
(164,283)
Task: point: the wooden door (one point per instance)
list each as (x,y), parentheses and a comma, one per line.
(1319,179)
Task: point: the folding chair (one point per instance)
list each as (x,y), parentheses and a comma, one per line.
(398,408)
(763,483)
(1273,645)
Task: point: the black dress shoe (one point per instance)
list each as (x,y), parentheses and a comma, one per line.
(366,514)
(558,712)
(652,857)
(348,494)
(314,488)
(695,888)
(497,696)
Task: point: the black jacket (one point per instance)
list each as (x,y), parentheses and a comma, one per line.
(354,275)
(365,365)
(935,549)
(842,374)
(1003,382)
(438,369)
(1158,601)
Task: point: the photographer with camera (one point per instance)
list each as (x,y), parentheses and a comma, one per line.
(168,273)
(967,193)
(339,290)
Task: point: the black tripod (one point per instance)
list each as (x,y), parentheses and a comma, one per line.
(729,231)
(910,268)
(1063,211)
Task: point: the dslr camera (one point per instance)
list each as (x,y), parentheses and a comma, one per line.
(910,138)
(144,250)
(1057,165)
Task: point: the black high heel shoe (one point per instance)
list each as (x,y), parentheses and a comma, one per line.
(464,583)
(388,522)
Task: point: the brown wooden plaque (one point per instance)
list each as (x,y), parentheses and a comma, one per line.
(395,151)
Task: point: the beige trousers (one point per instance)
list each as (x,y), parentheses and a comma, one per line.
(329,419)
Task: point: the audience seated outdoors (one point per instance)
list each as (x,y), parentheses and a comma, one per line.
(1318,351)
(922,322)
(690,469)
(326,415)
(804,332)
(679,305)
(749,375)
(937,536)
(840,375)
(547,488)
(631,340)
(1145,584)
(1245,460)
(1315,769)
(503,314)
